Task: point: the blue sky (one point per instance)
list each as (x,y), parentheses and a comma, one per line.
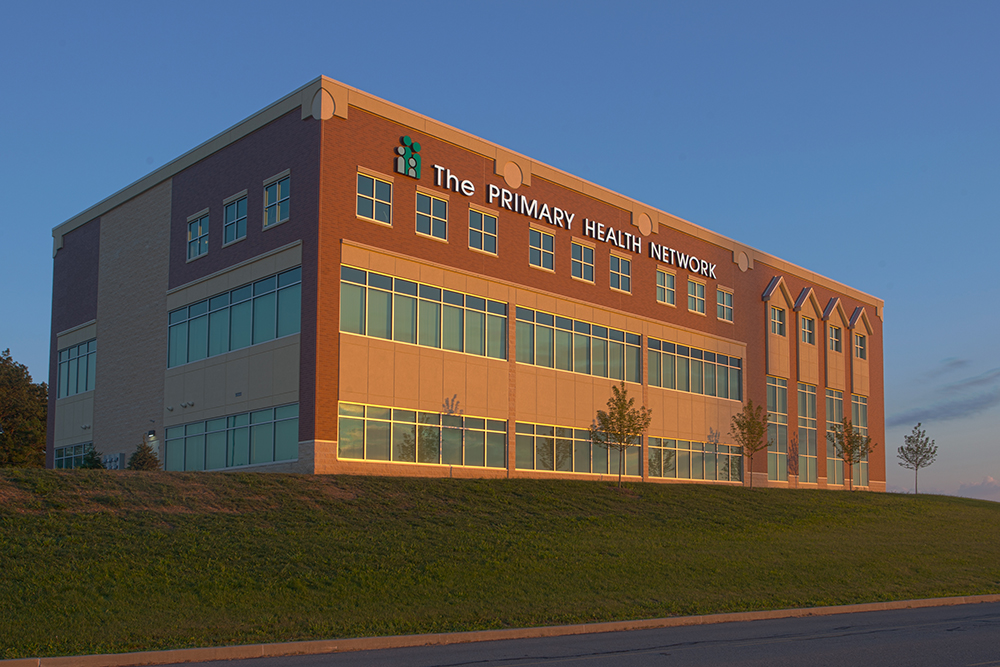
(859,140)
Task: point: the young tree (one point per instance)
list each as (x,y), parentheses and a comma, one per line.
(850,446)
(144,457)
(92,460)
(749,431)
(23,410)
(793,455)
(622,425)
(918,452)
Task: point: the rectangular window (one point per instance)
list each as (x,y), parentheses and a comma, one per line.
(540,249)
(807,433)
(482,231)
(432,216)
(72,456)
(777,428)
(835,339)
(254,313)
(808,330)
(859,420)
(262,436)
(564,449)
(684,368)
(77,368)
(621,274)
(583,262)
(381,306)
(665,287)
(374,199)
(681,459)
(696,297)
(557,342)
(724,308)
(197,238)
(860,349)
(834,417)
(234,223)
(777,321)
(276,202)
(374,433)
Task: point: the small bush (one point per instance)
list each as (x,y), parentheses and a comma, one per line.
(144,457)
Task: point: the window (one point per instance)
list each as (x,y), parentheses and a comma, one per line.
(482,231)
(261,436)
(809,330)
(583,262)
(621,274)
(380,306)
(374,199)
(696,297)
(807,433)
(276,202)
(724,309)
(777,428)
(557,342)
(777,321)
(860,350)
(197,241)
(540,251)
(432,216)
(248,315)
(859,419)
(374,433)
(563,449)
(77,368)
(680,459)
(834,417)
(234,221)
(665,287)
(72,456)
(835,339)
(697,371)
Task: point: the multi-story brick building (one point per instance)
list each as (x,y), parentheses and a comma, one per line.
(340,285)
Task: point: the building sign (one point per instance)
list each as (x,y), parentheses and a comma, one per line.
(408,163)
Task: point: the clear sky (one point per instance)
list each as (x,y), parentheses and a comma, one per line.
(858,139)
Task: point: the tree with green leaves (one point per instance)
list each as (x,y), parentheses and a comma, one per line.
(144,457)
(23,410)
(622,426)
(851,446)
(918,452)
(92,460)
(749,431)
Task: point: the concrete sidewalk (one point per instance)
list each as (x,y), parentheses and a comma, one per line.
(368,643)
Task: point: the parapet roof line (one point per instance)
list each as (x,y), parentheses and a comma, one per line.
(302,97)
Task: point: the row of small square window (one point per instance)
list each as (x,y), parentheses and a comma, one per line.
(234,218)
(808,331)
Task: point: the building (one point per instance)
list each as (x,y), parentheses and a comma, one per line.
(340,285)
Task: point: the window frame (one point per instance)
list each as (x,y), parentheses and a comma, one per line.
(483,233)
(807,325)
(778,321)
(430,215)
(696,299)
(623,276)
(373,198)
(861,346)
(276,181)
(226,204)
(722,308)
(582,262)
(542,252)
(836,339)
(670,291)
(201,239)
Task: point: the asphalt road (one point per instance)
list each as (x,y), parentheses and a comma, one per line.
(957,636)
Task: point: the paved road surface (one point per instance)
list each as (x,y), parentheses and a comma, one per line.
(958,636)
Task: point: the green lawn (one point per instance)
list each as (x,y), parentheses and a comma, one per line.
(95,562)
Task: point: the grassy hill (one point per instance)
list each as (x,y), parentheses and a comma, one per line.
(94,561)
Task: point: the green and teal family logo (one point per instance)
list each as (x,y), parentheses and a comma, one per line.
(408,161)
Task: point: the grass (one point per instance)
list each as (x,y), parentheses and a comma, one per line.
(102,562)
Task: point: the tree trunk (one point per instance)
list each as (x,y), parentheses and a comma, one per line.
(621,465)
(916,475)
